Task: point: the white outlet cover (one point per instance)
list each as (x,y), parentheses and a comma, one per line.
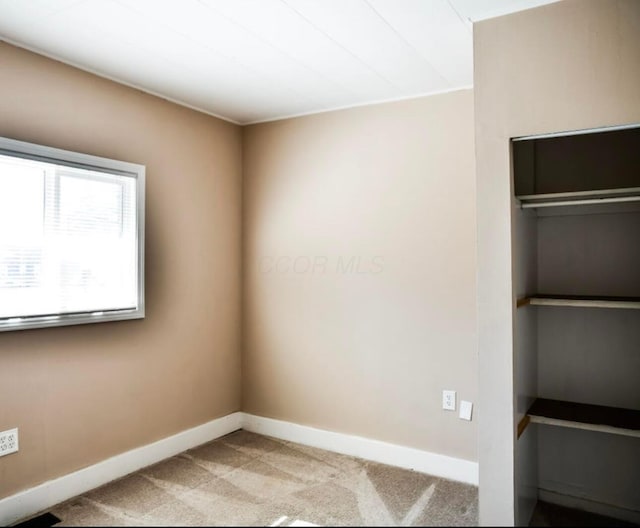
(466,408)
(449,400)
(8,442)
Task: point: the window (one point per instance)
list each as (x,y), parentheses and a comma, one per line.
(71,238)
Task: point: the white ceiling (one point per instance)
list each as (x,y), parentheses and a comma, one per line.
(259,60)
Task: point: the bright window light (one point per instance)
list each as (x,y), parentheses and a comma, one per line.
(71,238)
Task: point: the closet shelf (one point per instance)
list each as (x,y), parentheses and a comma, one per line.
(631,194)
(613,420)
(581,301)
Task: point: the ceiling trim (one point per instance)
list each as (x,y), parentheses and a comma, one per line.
(116,80)
(358,105)
(178,102)
(465,20)
(505,10)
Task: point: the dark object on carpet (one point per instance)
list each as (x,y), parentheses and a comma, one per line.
(41,521)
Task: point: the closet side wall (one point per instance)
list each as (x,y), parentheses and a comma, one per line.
(564,66)
(525,270)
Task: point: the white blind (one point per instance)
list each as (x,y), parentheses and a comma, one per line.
(68,240)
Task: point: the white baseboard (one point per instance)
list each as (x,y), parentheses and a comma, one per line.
(580,503)
(52,492)
(375,450)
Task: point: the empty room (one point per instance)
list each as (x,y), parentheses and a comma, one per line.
(319,263)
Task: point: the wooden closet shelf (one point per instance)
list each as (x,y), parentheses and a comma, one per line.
(613,420)
(581,301)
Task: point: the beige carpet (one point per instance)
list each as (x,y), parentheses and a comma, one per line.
(248,479)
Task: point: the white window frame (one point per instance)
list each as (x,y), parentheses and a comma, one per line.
(30,151)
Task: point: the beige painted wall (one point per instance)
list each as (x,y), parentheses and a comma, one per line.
(569,65)
(82,394)
(364,349)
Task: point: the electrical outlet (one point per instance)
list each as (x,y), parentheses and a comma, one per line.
(449,400)
(8,441)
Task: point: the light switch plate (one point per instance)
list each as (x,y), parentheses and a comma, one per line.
(466,407)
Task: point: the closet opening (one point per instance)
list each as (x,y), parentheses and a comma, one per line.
(576,262)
